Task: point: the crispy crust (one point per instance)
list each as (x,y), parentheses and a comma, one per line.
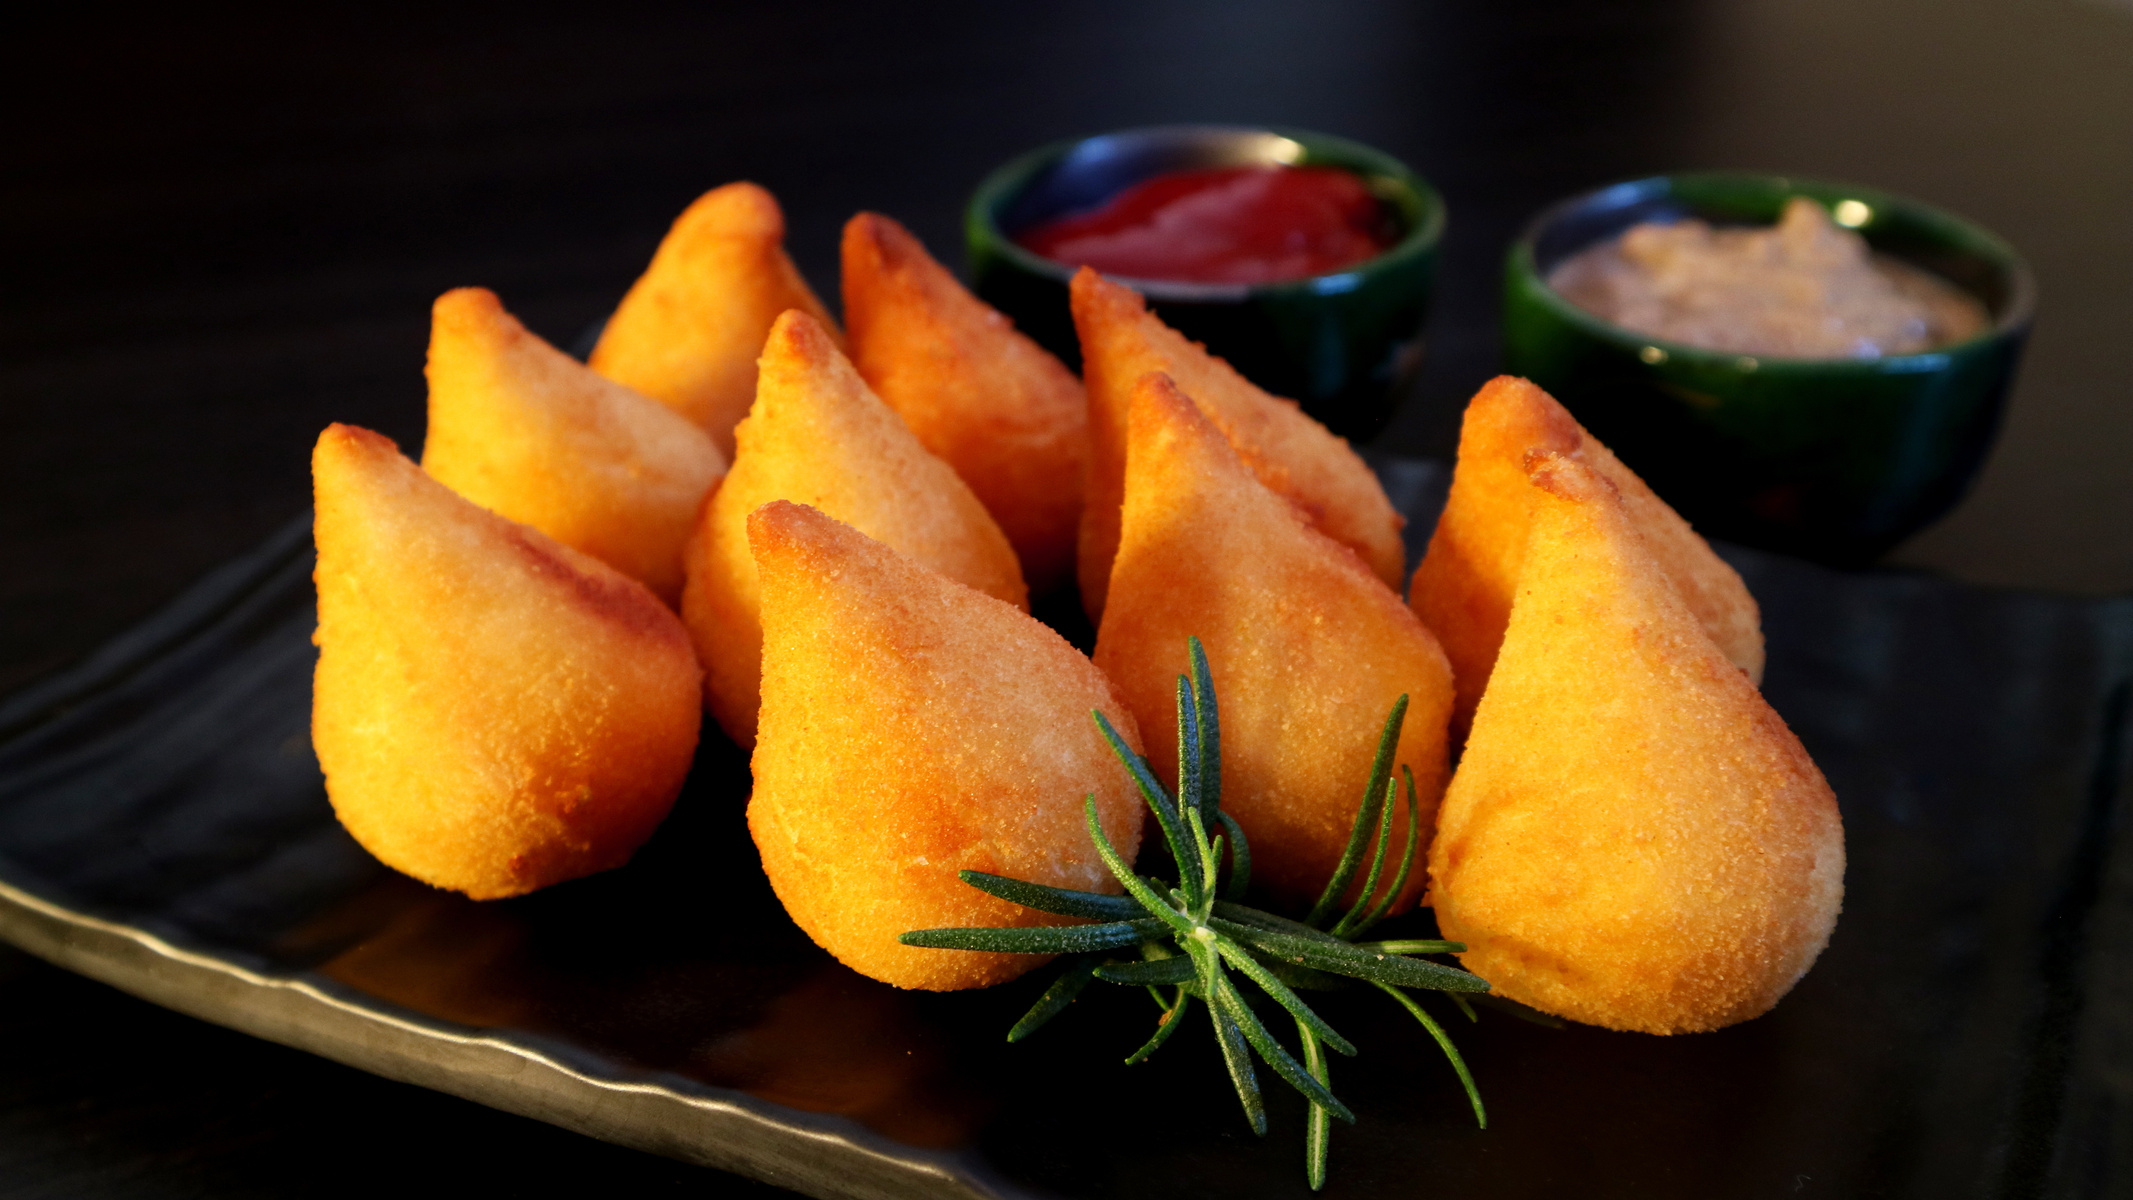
(1009,417)
(1463,588)
(1309,649)
(531,434)
(688,332)
(1633,838)
(494,711)
(817,435)
(912,727)
(1286,450)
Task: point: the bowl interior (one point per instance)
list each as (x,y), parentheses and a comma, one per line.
(1095,169)
(1073,177)
(1948,246)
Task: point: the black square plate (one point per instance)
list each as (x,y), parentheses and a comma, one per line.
(1969,1032)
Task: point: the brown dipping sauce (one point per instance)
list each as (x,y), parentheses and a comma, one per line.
(1803,288)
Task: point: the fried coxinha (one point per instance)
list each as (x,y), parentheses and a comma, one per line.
(688,332)
(1631,838)
(956,722)
(996,406)
(817,434)
(1310,646)
(1290,453)
(494,711)
(1464,587)
(530,433)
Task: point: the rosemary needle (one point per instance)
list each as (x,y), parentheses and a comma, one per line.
(1181,939)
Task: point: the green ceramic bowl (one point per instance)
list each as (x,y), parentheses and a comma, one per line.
(1833,459)
(1345,345)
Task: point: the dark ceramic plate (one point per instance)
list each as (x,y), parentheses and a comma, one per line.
(1968,1033)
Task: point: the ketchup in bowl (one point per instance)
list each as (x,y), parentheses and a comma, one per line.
(1234,225)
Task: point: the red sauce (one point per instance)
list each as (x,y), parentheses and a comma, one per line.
(1224,225)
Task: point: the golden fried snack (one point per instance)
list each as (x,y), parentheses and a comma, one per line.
(688,332)
(1009,417)
(1463,588)
(1309,649)
(817,435)
(1633,839)
(530,433)
(494,711)
(912,728)
(1289,452)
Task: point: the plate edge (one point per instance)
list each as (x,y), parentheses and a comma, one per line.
(729,1134)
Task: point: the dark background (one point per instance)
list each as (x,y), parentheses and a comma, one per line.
(220,232)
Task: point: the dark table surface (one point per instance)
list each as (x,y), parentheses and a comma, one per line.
(219,233)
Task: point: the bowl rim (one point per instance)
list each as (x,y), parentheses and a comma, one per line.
(1004,182)
(2012,321)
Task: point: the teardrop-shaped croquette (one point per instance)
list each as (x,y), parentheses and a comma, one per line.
(1308,647)
(818,436)
(494,711)
(689,331)
(912,728)
(996,406)
(1463,588)
(1633,839)
(1288,451)
(530,433)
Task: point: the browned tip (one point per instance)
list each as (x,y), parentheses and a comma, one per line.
(779,518)
(466,301)
(884,238)
(740,209)
(472,312)
(351,441)
(785,531)
(1156,396)
(1566,478)
(1090,288)
(1510,403)
(797,335)
(1511,389)
(1164,424)
(1101,307)
(352,461)
(862,239)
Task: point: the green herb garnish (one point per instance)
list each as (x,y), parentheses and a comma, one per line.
(1189,935)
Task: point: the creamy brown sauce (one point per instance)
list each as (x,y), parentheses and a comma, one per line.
(1803,288)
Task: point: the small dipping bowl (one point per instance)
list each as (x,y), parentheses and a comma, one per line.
(1346,345)
(1831,459)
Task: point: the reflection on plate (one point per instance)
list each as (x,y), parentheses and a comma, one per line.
(163,828)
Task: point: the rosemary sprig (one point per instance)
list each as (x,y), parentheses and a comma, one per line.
(1186,936)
